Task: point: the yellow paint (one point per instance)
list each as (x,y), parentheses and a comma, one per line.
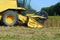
(22,18)
(33,23)
(9,4)
(9,19)
(34,16)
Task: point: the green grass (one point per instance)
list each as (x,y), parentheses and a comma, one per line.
(23,33)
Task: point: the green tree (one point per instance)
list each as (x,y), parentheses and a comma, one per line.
(57,8)
(53,10)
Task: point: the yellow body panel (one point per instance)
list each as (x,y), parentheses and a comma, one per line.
(9,4)
(22,18)
(33,23)
(6,4)
(34,16)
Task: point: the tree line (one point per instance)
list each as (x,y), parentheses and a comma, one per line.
(53,10)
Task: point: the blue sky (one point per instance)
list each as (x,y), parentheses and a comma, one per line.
(38,4)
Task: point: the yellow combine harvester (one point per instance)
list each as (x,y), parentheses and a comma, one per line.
(10,13)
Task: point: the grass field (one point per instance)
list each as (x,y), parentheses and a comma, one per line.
(53,21)
(50,32)
(23,33)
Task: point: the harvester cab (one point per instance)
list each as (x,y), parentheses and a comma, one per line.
(23,3)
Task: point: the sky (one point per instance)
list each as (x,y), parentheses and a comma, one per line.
(38,4)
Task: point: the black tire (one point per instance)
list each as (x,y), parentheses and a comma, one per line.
(7,13)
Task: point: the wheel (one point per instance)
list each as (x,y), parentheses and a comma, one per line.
(9,18)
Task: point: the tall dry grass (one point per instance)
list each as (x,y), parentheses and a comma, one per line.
(53,21)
